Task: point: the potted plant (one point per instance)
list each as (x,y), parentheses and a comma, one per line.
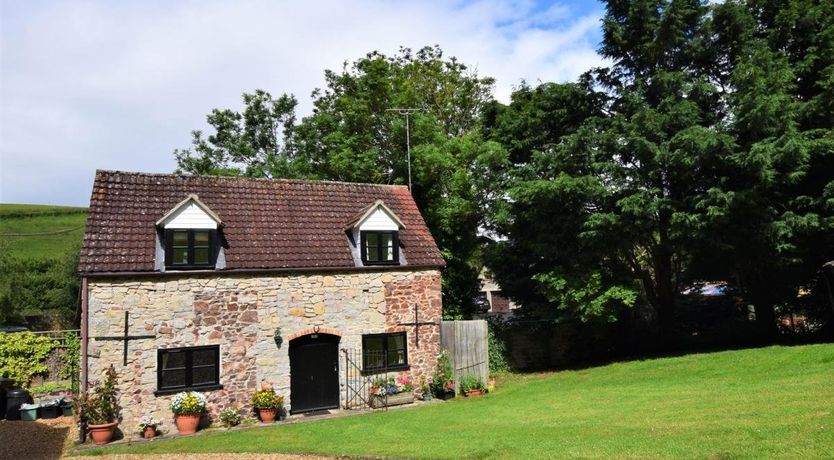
(425,389)
(491,383)
(230,417)
(471,385)
(188,407)
(99,410)
(443,380)
(391,392)
(267,403)
(148,426)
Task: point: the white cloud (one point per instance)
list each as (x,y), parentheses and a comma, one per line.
(119,85)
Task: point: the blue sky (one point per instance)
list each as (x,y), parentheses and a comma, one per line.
(120,85)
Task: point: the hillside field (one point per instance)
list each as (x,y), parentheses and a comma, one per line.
(50,230)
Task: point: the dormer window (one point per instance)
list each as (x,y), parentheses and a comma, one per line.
(379,247)
(374,234)
(190,248)
(190,236)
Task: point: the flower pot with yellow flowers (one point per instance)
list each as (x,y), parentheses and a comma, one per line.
(188,407)
(267,404)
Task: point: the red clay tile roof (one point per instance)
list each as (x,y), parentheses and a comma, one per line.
(269,224)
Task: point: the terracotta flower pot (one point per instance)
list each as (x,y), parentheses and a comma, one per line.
(267,415)
(102,434)
(149,432)
(472,393)
(187,424)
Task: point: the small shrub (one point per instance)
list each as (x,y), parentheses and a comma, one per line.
(101,406)
(23,356)
(230,417)
(469,382)
(71,360)
(497,349)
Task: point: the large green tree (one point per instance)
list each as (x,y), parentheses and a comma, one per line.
(709,157)
(354,135)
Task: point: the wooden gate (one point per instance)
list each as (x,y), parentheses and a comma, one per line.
(466,342)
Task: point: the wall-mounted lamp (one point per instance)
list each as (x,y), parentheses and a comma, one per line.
(277,337)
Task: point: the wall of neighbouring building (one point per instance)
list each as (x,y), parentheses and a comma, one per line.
(241,314)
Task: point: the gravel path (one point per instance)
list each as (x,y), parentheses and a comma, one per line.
(43,439)
(202,457)
(48,439)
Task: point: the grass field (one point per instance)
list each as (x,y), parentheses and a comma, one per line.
(50,230)
(775,402)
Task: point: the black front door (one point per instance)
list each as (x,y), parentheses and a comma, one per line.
(314,372)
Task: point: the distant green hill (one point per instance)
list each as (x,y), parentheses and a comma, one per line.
(39,248)
(32,231)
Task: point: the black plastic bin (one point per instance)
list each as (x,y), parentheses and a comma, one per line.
(14,398)
(5,385)
(51,409)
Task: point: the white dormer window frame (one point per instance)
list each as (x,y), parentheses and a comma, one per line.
(190,236)
(378,230)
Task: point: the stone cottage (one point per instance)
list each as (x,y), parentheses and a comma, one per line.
(216,284)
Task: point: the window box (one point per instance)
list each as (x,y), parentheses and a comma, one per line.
(398,399)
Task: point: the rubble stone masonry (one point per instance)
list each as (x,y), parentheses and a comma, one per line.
(241,314)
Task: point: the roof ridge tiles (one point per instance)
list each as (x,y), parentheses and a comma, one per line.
(246,178)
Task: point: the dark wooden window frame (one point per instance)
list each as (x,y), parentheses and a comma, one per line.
(396,367)
(395,241)
(189,370)
(169,249)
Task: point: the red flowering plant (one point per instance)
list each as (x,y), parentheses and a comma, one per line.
(390,386)
(443,380)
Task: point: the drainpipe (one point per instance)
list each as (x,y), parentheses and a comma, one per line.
(84,334)
(82,432)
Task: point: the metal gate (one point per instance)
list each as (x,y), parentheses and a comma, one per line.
(358,381)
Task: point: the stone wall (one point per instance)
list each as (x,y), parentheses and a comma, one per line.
(241,314)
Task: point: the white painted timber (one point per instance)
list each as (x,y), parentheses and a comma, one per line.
(379,220)
(190,216)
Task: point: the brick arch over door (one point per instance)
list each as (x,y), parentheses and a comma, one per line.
(311,330)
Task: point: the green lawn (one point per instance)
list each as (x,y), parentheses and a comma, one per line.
(64,227)
(762,403)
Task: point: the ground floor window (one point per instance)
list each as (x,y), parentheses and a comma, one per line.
(188,368)
(384,350)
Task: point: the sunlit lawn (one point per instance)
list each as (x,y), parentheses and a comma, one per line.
(761,403)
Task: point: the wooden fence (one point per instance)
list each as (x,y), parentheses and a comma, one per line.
(466,342)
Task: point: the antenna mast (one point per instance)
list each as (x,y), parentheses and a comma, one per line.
(407,112)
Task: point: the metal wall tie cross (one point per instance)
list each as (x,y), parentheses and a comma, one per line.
(126,338)
(417,323)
